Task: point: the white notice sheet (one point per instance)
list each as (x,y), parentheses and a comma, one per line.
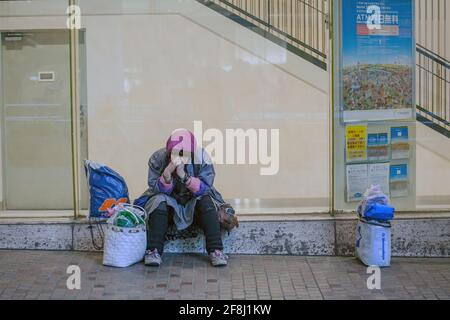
(379,176)
(357,181)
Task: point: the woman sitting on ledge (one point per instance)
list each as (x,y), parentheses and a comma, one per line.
(180,181)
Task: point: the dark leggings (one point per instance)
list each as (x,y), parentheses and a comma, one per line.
(205,215)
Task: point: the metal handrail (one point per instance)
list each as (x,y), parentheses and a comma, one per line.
(432,55)
(433,89)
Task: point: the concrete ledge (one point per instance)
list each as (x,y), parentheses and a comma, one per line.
(43,236)
(324,236)
(314,238)
(410,237)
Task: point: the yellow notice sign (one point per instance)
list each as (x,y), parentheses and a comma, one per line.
(356,143)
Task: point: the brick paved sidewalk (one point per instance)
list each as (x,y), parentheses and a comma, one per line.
(42,275)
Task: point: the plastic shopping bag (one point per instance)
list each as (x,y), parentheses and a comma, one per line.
(106,188)
(375,205)
(373,243)
(380,212)
(127,216)
(125,246)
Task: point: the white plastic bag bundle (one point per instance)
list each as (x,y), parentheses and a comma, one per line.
(373,243)
(373,195)
(124,246)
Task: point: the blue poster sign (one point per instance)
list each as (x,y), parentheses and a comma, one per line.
(378,60)
(399,172)
(399,134)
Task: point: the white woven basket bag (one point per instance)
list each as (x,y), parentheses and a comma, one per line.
(125,246)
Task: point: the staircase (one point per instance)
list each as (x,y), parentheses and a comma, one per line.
(299,26)
(433,90)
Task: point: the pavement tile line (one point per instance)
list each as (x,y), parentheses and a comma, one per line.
(314,277)
(42,275)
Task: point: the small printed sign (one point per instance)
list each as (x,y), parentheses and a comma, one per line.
(399,180)
(400,148)
(356,143)
(378,146)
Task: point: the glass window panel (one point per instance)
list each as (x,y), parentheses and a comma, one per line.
(408,158)
(155,66)
(36,123)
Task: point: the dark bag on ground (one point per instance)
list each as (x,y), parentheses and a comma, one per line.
(227,217)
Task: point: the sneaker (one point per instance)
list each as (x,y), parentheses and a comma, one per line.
(152,258)
(218,258)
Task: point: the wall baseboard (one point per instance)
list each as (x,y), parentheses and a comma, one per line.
(324,237)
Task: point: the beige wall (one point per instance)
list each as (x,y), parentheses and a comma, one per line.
(433,168)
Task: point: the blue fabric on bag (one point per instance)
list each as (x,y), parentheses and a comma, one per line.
(381,199)
(380,212)
(106,188)
(141,201)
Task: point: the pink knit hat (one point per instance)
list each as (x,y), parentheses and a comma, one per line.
(181,139)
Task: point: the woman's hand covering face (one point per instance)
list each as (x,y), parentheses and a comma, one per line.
(180,171)
(167,174)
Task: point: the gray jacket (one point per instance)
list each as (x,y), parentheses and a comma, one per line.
(153,196)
